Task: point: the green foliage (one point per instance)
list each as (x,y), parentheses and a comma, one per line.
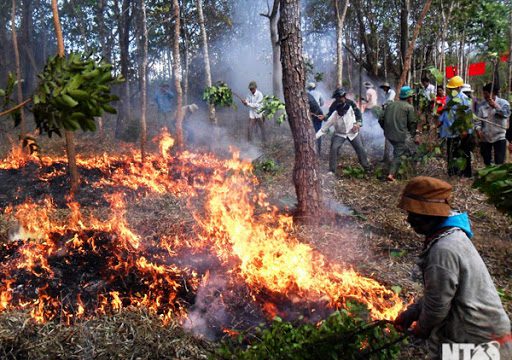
(463,121)
(5,97)
(354,172)
(504,295)
(71,92)
(218,95)
(437,74)
(267,166)
(271,106)
(496,182)
(343,335)
(319,76)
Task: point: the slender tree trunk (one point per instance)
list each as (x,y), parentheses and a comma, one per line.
(27,29)
(186,59)
(143,45)
(277,71)
(124,45)
(410,49)
(404,29)
(509,78)
(206,56)
(340,21)
(70,144)
(178,74)
(18,67)
(305,172)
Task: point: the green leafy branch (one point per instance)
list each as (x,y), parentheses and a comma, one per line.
(496,182)
(271,106)
(219,95)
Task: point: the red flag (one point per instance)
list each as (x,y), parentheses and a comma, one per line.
(504,58)
(451,71)
(476,69)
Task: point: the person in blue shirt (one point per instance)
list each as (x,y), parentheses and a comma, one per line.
(457,145)
(164,102)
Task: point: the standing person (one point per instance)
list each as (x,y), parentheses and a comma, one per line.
(163,99)
(466,89)
(347,120)
(440,99)
(400,122)
(492,132)
(457,145)
(316,94)
(317,116)
(460,303)
(428,90)
(254,101)
(389,94)
(371,96)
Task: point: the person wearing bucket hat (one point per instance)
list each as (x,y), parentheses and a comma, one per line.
(399,121)
(389,94)
(460,303)
(254,101)
(458,146)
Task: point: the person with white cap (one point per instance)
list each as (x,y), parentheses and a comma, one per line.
(371,96)
(316,94)
(460,303)
(254,101)
(389,94)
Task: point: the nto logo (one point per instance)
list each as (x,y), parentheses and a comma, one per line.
(487,351)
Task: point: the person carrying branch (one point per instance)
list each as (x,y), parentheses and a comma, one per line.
(460,303)
(399,121)
(347,120)
(254,101)
(491,126)
(458,144)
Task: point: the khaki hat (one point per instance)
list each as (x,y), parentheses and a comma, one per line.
(253,85)
(368,84)
(426,196)
(386,84)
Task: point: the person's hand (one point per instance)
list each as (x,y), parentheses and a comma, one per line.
(405,319)
(479,134)
(510,148)
(492,103)
(464,134)
(244,101)
(356,128)
(321,117)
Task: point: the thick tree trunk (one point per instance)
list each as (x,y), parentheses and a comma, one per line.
(410,48)
(18,66)
(340,21)
(143,45)
(177,74)
(305,172)
(206,56)
(509,77)
(70,144)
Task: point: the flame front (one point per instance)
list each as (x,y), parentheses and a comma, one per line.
(236,222)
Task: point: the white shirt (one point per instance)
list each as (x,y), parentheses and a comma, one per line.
(371,98)
(390,96)
(342,125)
(255,102)
(430,92)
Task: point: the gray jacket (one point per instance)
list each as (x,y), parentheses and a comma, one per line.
(460,303)
(498,116)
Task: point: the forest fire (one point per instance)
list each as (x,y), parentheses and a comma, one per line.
(80,266)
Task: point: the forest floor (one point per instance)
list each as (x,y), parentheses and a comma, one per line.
(371,235)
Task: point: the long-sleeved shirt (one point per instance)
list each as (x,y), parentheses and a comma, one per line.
(448,116)
(371,98)
(399,121)
(429,92)
(255,102)
(460,302)
(343,121)
(318,97)
(314,107)
(335,105)
(389,96)
(498,116)
(163,99)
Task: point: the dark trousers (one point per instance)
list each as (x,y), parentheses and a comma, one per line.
(252,127)
(317,125)
(500,149)
(357,144)
(459,148)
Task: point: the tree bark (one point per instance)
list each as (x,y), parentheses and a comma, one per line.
(178,75)
(410,48)
(510,58)
(143,45)
(124,44)
(277,70)
(340,20)
(305,172)
(18,67)
(70,144)
(404,29)
(27,30)
(206,56)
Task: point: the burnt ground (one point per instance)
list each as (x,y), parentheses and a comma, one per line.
(373,236)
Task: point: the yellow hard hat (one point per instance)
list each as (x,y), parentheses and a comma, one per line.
(455,82)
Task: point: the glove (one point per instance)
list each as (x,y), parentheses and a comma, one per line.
(405,319)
